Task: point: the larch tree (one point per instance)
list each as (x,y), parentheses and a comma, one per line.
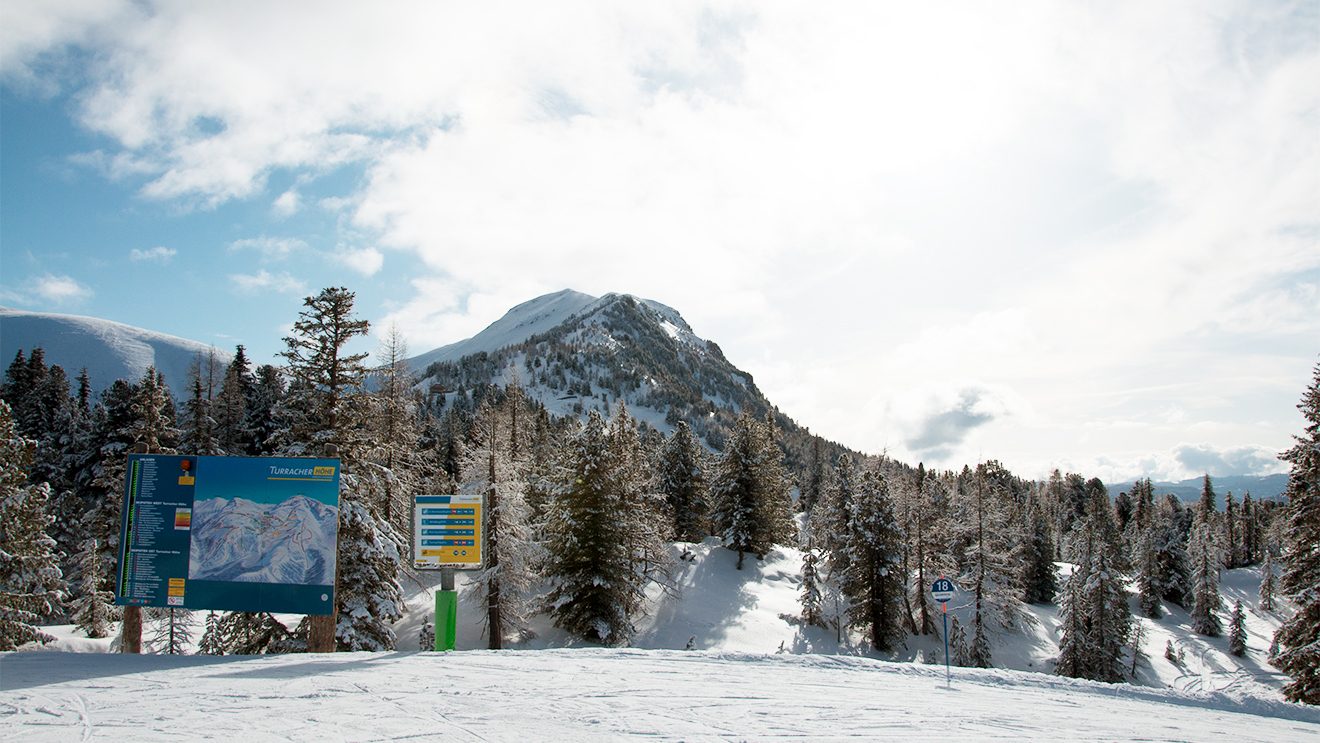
(494,467)
(1299,637)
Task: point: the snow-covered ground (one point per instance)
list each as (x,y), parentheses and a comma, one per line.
(754,673)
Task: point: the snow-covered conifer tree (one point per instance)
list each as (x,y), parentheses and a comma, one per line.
(681,475)
(326,404)
(31,586)
(874,581)
(1237,631)
(593,588)
(230,409)
(92,608)
(1039,575)
(752,512)
(198,426)
(1299,637)
(1267,582)
(813,601)
(211,642)
(1207,559)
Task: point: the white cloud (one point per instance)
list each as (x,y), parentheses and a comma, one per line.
(265,281)
(366,261)
(158,254)
(1102,215)
(287,204)
(270,248)
(60,289)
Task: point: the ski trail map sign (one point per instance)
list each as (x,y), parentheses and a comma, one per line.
(231,533)
(447,531)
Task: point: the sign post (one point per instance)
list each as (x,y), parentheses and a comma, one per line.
(447,535)
(942,590)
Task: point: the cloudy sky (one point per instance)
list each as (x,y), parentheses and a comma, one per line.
(1083,235)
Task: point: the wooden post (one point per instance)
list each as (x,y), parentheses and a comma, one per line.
(321,628)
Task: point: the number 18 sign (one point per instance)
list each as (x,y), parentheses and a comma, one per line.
(942,590)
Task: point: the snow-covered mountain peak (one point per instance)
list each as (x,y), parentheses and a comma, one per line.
(517,325)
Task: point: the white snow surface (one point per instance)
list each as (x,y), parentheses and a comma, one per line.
(109,350)
(754,673)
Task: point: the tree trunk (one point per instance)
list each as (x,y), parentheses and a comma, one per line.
(496,625)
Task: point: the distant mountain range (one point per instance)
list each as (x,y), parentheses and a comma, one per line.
(1261,487)
(108,350)
(239,540)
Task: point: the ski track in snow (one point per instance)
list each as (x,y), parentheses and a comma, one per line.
(596,694)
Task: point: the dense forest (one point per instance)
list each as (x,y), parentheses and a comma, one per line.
(580,509)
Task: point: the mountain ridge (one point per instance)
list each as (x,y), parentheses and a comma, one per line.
(109,350)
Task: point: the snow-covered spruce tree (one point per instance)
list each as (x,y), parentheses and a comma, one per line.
(814,483)
(1267,583)
(506,584)
(198,426)
(987,560)
(1097,624)
(426,637)
(112,436)
(927,510)
(233,423)
(326,405)
(92,609)
(874,581)
(248,633)
(1231,532)
(1172,573)
(681,478)
(212,642)
(813,601)
(31,586)
(593,589)
(1299,637)
(751,509)
(1237,631)
(830,519)
(645,508)
(1040,581)
(153,414)
(1207,558)
(266,399)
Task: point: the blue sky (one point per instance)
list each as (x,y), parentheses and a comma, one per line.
(1058,234)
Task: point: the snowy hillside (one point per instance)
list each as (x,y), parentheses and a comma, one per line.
(752,672)
(109,350)
(597,694)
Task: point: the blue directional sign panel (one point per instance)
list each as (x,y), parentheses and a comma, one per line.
(229,533)
(447,531)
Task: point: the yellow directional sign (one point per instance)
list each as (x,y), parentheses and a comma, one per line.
(447,532)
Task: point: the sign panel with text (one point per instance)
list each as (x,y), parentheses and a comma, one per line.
(447,531)
(232,533)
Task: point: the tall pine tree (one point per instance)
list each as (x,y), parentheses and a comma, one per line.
(1299,637)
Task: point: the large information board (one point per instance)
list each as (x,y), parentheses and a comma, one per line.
(447,531)
(233,533)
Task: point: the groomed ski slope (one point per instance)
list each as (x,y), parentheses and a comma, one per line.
(596,694)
